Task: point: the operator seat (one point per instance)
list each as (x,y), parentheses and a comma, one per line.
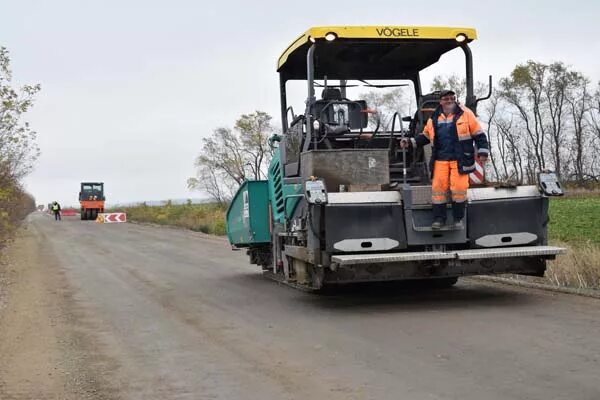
(331,94)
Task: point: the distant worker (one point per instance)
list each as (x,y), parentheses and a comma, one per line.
(56,210)
(454,130)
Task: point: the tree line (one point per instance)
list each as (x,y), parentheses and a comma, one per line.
(540,117)
(18,148)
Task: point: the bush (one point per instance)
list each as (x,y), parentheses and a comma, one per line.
(15,204)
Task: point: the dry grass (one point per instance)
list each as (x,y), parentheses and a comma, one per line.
(579,193)
(579,268)
(207,218)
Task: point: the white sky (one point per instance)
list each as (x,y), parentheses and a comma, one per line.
(130,87)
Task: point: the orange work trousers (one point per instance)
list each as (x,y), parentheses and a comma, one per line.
(446,176)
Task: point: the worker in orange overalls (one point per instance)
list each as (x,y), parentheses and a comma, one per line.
(454,131)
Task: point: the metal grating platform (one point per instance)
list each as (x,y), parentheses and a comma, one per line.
(421,195)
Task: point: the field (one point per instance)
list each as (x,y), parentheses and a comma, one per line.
(575,220)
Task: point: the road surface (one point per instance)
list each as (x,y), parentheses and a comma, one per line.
(126,311)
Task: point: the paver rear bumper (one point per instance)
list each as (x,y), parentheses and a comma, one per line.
(471,254)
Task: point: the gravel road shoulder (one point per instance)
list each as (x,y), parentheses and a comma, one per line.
(47,350)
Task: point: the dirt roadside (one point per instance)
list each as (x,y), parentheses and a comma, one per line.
(47,350)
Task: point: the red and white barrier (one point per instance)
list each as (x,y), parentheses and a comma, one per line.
(111,218)
(477,177)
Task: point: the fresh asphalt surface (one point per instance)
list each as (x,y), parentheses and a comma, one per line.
(175,314)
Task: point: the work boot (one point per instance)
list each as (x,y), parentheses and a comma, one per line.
(458,225)
(438,223)
(439,215)
(458,210)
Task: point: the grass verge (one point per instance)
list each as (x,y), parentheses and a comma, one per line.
(207,218)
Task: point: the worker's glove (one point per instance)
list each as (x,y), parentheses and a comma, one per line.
(404,143)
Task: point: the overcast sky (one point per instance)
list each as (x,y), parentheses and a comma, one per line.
(130,87)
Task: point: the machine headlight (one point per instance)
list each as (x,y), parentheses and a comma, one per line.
(461,37)
(316,125)
(331,36)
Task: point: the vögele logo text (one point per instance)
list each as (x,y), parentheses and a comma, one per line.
(397,32)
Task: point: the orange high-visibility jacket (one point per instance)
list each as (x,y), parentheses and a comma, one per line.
(466,133)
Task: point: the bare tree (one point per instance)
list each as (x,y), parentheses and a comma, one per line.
(594,113)
(511,144)
(209,181)
(489,113)
(229,157)
(579,102)
(452,82)
(558,90)
(505,141)
(524,91)
(254,131)
(593,122)
(224,151)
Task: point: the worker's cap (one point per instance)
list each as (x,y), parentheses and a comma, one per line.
(447,92)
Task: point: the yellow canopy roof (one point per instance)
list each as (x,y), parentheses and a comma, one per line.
(444,37)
